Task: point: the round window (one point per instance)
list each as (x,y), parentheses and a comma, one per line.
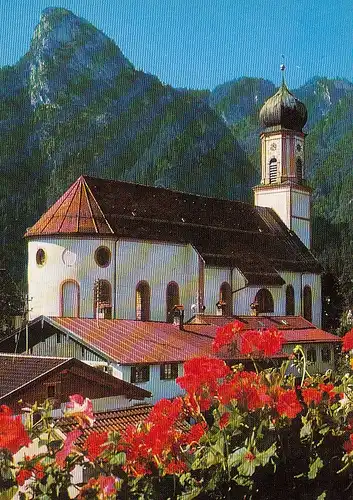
(40,257)
(102,256)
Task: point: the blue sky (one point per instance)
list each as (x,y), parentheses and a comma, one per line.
(202,43)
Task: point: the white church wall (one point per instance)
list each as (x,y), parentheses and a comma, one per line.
(276,198)
(214,277)
(158,264)
(301,228)
(66,259)
(247,296)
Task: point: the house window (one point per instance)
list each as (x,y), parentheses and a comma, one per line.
(40,257)
(299,165)
(173,299)
(70,299)
(307,303)
(273,170)
(51,393)
(102,256)
(326,354)
(311,354)
(102,299)
(140,373)
(58,338)
(225,295)
(169,371)
(264,300)
(143,301)
(290,304)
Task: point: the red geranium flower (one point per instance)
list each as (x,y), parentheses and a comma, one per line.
(176,467)
(348,341)
(288,404)
(95,444)
(13,435)
(261,342)
(311,395)
(22,476)
(329,389)
(226,334)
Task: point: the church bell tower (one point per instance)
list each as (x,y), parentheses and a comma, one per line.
(282,186)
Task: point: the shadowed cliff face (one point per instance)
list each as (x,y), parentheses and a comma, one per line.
(75,105)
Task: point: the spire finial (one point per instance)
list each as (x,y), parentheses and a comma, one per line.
(283,67)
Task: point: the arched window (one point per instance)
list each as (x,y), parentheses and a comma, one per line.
(265,301)
(70,299)
(299,164)
(225,295)
(102,299)
(307,303)
(273,170)
(143,301)
(290,304)
(173,299)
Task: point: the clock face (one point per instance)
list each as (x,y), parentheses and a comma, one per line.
(273,146)
(299,148)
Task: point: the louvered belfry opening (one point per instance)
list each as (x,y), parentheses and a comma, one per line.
(273,170)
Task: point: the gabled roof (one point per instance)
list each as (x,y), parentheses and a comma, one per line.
(225,233)
(295,329)
(18,372)
(130,342)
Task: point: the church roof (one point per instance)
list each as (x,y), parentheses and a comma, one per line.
(225,233)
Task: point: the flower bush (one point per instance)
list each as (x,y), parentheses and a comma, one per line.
(234,434)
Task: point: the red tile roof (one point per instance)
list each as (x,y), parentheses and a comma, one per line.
(108,421)
(226,233)
(77,211)
(294,328)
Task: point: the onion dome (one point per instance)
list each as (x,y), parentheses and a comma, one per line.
(283,110)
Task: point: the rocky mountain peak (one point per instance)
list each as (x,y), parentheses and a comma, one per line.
(65,48)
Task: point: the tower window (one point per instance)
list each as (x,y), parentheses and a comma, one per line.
(273,170)
(307,303)
(299,165)
(102,299)
(173,299)
(225,295)
(290,304)
(143,301)
(264,300)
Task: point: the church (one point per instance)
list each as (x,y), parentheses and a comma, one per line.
(139,277)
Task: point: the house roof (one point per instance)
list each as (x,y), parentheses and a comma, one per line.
(225,233)
(108,421)
(18,372)
(112,421)
(295,329)
(130,342)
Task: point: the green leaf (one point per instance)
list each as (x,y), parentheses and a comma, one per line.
(9,494)
(305,431)
(265,456)
(189,496)
(118,458)
(247,467)
(322,496)
(315,467)
(236,457)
